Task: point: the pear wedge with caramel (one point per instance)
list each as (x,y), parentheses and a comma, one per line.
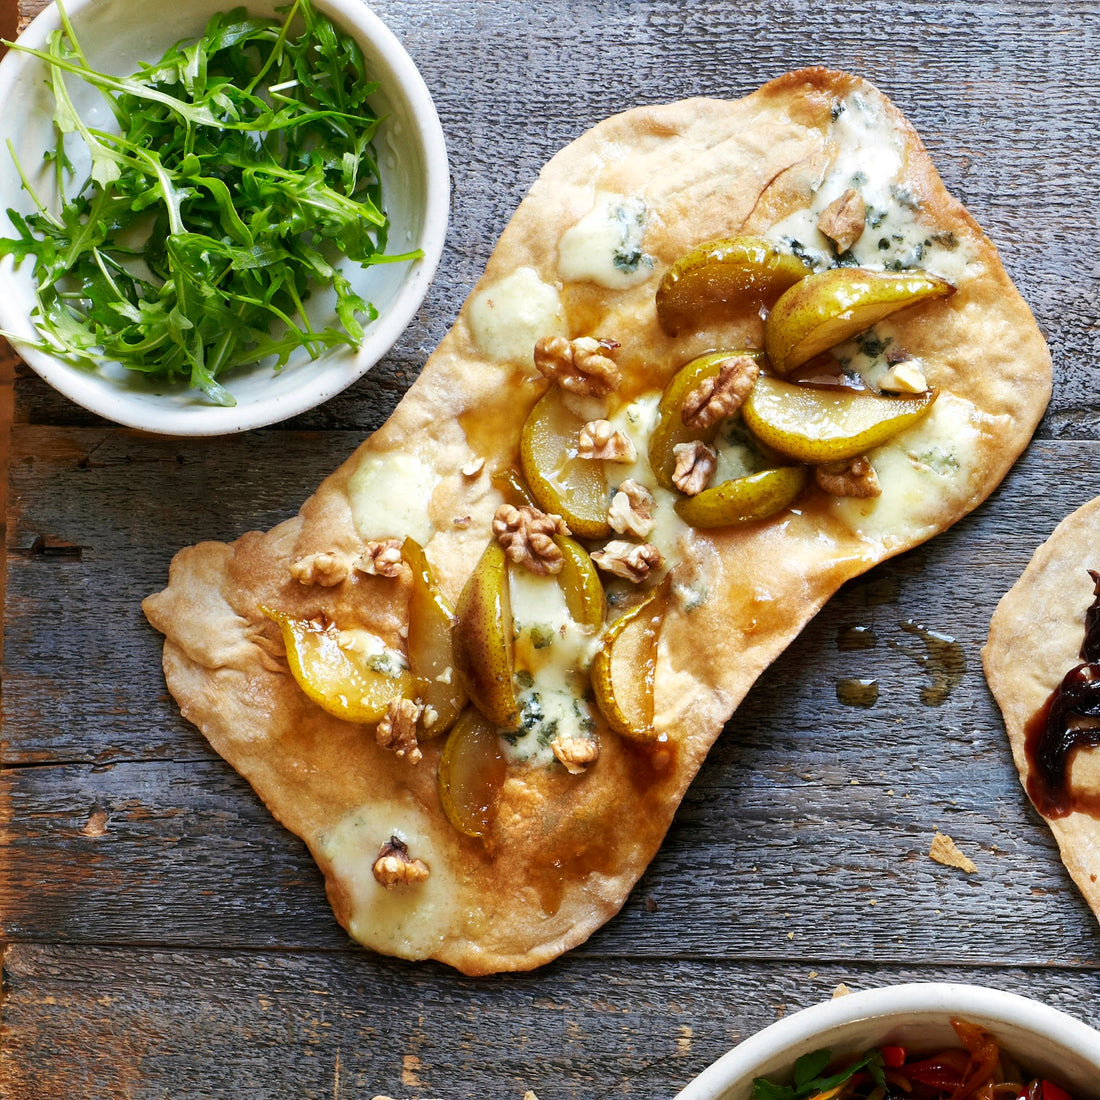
(561,483)
(351,674)
(745,499)
(482,640)
(671,429)
(624,667)
(471,771)
(718,279)
(820,424)
(431,659)
(823,310)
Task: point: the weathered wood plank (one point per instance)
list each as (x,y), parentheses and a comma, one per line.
(804,804)
(144,1024)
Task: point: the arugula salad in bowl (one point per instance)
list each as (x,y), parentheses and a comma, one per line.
(213,218)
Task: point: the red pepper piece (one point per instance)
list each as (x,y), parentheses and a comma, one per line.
(1052,1091)
(893,1057)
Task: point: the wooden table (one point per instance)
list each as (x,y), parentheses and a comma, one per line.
(162,937)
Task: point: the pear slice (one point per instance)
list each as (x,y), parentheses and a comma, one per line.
(352,675)
(573,488)
(820,424)
(718,279)
(825,309)
(580,582)
(482,640)
(671,429)
(624,666)
(745,499)
(471,770)
(431,618)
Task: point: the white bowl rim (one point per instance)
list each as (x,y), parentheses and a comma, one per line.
(86,389)
(958,999)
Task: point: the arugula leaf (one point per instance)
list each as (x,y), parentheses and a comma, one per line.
(241,170)
(810,1077)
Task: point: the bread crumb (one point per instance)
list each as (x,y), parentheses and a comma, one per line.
(529,1095)
(945,851)
(841,991)
(790,935)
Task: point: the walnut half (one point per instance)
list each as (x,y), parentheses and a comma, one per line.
(631,510)
(854,477)
(527,536)
(397,730)
(583,365)
(576,753)
(722,394)
(394,866)
(633,561)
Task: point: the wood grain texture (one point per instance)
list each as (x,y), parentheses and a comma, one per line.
(163,937)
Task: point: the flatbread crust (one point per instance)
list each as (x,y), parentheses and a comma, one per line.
(1035,638)
(566,849)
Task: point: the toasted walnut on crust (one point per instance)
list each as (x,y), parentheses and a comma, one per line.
(397,730)
(854,477)
(583,365)
(382,558)
(395,867)
(633,561)
(631,511)
(576,753)
(695,463)
(842,221)
(722,394)
(527,536)
(600,439)
(327,568)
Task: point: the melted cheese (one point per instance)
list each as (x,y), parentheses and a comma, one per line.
(509,316)
(408,920)
(921,472)
(552,655)
(390,495)
(869,159)
(605,246)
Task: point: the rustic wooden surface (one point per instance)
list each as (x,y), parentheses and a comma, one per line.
(163,938)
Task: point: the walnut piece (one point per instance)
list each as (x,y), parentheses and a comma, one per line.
(600,440)
(397,729)
(695,463)
(843,219)
(854,477)
(382,558)
(720,395)
(583,365)
(327,568)
(576,753)
(631,511)
(633,561)
(394,866)
(527,536)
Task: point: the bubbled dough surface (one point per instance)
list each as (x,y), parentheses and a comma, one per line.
(1035,638)
(567,850)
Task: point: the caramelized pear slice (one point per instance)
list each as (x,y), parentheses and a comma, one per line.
(624,667)
(351,674)
(431,618)
(580,582)
(482,640)
(717,279)
(826,309)
(509,483)
(820,424)
(744,499)
(671,429)
(573,488)
(471,771)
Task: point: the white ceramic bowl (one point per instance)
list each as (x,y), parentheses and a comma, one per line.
(116,35)
(1045,1041)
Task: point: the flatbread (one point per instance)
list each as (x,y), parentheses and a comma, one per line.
(564,850)
(1035,638)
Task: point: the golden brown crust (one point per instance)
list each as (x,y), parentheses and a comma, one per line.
(566,849)
(1035,638)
